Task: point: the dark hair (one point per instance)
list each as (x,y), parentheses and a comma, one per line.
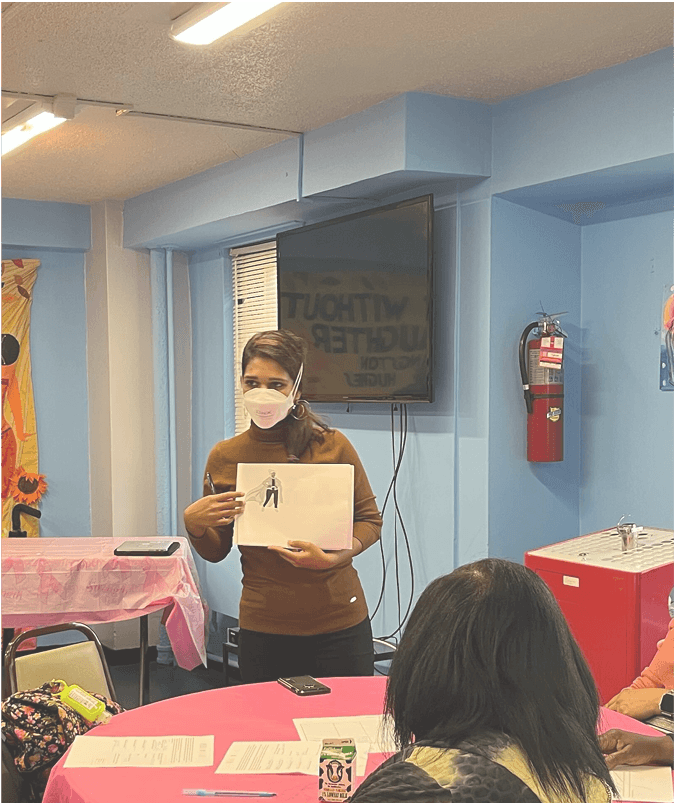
(290,352)
(487,648)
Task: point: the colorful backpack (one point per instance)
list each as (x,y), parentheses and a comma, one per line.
(38,728)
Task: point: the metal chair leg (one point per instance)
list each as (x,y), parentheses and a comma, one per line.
(144,693)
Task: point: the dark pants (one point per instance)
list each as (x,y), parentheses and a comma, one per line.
(271,493)
(267,656)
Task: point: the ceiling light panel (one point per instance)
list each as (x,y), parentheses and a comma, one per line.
(194,28)
(43,121)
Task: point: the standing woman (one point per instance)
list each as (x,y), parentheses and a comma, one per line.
(302,610)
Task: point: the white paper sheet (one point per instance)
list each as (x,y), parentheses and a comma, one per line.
(295,501)
(368,728)
(647,784)
(141,751)
(259,758)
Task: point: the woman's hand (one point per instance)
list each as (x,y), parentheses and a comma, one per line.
(637,703)
(621,747)
(306,555)
(216,510)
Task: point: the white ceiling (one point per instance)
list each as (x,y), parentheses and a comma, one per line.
(306,65)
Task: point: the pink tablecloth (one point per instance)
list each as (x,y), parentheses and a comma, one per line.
(612,719)
(259,712)
(48,581)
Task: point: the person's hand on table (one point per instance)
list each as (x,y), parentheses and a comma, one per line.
(306,555)
(622,747)
(637,703)
(214,510)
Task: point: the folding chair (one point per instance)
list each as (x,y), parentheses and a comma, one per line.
(82,663)
(383,651)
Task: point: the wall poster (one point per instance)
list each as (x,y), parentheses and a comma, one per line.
(21,482)
(667,340)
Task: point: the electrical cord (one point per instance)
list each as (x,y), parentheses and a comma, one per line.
(392,490)
(403,440)
(402,620)
(396,468)
(395,523)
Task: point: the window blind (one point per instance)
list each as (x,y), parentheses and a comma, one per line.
(255,307)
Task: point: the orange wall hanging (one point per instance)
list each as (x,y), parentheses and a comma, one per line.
(21,482)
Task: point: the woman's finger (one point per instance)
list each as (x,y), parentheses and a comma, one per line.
(229,507)
(306,545)
(225,496)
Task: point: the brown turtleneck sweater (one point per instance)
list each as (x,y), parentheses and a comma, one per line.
(278,597)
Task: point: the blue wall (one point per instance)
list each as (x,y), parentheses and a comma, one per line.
(609,117)
(212,400)
(627,427)
(41,224)
(58,338)
(619,427)
(535,259)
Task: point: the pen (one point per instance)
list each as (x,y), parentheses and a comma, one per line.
(225,793)
(210,482)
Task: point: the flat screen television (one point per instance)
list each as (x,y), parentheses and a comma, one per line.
(359,290)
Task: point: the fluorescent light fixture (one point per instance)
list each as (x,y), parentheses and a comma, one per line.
(195,29)
(42,122)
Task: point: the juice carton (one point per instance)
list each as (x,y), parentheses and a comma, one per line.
(336,770)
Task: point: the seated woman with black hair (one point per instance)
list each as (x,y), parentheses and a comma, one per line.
(490,698)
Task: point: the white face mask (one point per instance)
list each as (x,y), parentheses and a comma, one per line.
(267,407)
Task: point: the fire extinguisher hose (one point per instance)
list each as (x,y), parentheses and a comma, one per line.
(528,396)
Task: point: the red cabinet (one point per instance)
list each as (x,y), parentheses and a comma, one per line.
(615,601)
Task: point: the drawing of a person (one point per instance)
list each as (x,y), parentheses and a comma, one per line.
(273,490)
(269,489)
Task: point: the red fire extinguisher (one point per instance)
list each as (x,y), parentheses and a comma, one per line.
(541,368)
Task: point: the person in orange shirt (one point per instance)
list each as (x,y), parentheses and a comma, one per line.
(641,699)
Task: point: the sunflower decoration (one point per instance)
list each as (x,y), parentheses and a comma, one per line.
(26,487)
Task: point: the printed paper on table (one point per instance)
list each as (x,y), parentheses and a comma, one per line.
(644,784)
(141,751)
(297,502)
(257,758)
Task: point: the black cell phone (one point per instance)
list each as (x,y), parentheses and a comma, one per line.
(154,547)
(304,685)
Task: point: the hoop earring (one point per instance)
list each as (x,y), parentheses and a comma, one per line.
(300,405)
